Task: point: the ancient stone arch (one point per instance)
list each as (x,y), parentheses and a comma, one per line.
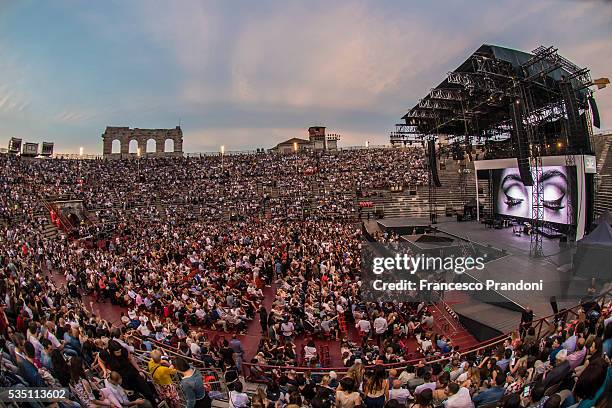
(154,145)
(125,135)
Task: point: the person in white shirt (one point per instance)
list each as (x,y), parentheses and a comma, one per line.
(237,398)
(144,330)
(364,326)
(117,337)
(427,321)
(287,328)
(195,349)
(114,392)
(380,327)
(398,393)
(46,332)
(310,351)
(428,384)
(459,397)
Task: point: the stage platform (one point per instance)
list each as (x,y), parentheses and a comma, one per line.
(511,262)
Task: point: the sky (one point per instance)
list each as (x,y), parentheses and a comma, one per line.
(249,74)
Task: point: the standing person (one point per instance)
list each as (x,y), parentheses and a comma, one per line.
(346,396)
(192,385)
(526,320)
(161,372)
(287,327)
(118,359)
(380,327)
(364,327)
(263,320)
(236,346)
(376,388)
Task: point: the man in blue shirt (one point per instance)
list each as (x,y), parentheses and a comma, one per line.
(493,394)
(27,369)
(570,343)
(504,362)
(556,347)
(443,345)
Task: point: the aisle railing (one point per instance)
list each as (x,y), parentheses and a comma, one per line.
(491,344)
(253,370)
(213,377)
(65,223)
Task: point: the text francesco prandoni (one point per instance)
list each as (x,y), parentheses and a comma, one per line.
(413,264)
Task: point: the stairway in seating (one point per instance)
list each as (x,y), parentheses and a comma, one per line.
(450,194)
(49,230)
(447,322)
(404,204)
(603,194)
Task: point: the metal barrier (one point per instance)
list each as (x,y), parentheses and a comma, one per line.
(262,369)
(64,221)
(214,379)
(490,344)
(74,156)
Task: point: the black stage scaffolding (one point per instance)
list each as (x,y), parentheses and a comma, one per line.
(515,104)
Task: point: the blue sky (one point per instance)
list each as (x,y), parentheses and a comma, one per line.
(249,74)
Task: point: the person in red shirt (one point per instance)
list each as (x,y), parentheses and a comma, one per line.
(102,287)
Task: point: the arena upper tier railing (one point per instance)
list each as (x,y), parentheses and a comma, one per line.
(74,156)
(252,370)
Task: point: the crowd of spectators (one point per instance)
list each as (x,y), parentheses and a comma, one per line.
(568,366)
(178,268)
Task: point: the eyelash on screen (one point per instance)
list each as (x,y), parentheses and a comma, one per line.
(554,204)
(511,201)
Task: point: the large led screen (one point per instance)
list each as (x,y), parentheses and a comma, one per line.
(512,198)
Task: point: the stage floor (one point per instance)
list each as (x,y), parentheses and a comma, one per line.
(516,264)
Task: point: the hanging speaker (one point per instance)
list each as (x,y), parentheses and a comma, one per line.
(433,165)
(553,305)
(595,112)
(519,140)
(577,135)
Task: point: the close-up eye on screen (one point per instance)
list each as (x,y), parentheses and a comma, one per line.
(514,199)
(555,188)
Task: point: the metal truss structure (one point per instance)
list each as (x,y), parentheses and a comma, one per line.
(445,94)
(463,173)
(436,104)
(537,208)
(473,102)
(433,215)
(570,161)
(472,81)
(404,135)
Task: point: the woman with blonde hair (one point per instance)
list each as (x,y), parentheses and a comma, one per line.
(473,381)
(515,339)
(356,372)
(259,400)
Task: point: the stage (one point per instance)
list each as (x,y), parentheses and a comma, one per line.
(508,260)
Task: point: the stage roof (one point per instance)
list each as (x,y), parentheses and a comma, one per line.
(474,99)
